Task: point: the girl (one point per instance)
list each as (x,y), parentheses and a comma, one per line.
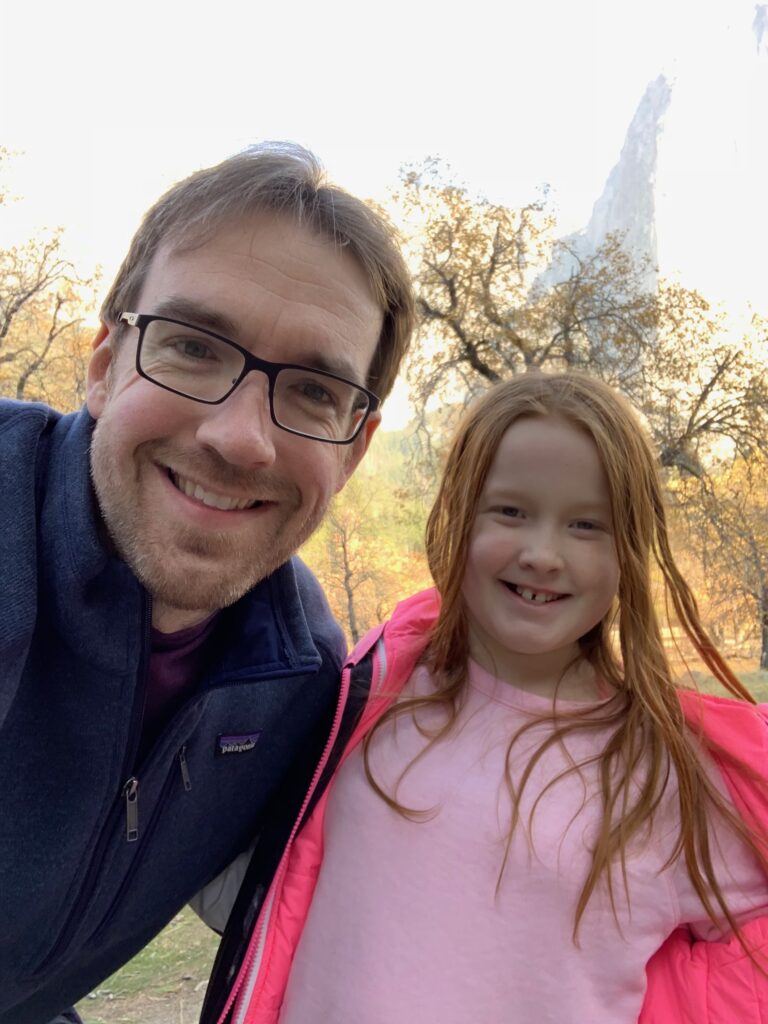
(531,822)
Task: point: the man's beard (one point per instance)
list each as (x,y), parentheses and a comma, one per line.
(224,565)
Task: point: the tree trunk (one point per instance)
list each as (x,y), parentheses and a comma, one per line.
(350,594)
(764,627)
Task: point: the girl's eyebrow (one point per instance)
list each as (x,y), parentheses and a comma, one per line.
(587,506)
(599,508)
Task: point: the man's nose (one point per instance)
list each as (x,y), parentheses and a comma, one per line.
(241,428)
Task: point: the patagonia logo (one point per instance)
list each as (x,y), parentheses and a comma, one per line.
(237,744)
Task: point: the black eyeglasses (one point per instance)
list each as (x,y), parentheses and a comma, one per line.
(207,368)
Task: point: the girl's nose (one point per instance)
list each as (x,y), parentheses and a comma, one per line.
(541,553)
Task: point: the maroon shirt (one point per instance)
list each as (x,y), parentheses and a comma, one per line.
(176,663)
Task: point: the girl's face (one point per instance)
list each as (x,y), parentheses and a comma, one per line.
(541,568)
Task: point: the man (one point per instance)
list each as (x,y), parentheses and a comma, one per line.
(168,672)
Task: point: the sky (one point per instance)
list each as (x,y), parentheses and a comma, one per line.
(105,105)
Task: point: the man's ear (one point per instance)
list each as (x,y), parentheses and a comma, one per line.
(358,448)
(98,370)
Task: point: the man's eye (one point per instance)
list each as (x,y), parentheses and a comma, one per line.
(314,392)
(193,348)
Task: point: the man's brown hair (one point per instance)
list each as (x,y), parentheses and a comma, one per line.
(285,179)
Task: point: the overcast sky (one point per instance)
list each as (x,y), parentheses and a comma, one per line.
(109,103)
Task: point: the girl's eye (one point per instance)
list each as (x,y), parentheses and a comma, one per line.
(585,524)
(510,511)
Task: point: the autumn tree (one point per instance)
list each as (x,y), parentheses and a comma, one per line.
(703,390)
(726,528)
(490,305)
(43,349)
(369,553)
(499,294)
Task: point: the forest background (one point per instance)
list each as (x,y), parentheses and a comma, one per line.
(489,307)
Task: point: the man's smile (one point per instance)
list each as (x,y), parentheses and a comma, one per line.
(210,498)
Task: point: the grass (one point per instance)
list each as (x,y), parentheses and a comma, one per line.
(755,680)
(164,984)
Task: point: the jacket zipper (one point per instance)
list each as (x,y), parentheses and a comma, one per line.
(131,794)
(186,781)
(132,830)
(127,802)
(75,916)
(249,969)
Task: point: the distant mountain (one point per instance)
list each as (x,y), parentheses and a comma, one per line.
(627,204)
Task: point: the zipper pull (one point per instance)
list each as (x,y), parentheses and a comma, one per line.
(131,794)
(184,769)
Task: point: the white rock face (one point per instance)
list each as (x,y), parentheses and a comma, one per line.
(627,204)
(760,27)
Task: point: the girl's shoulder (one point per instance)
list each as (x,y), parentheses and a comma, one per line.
(402,638)
(735,736)
(734,725)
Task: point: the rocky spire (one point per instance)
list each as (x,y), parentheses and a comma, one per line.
(627,204)
(760,26)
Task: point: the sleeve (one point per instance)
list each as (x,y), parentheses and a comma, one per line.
(20,433)
(740,876)
(213,904)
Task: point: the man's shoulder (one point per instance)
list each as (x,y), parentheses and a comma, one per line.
(31,435)
(31,417)
(304,606)
(26,429)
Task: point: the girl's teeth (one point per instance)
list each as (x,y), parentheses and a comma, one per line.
(532,595)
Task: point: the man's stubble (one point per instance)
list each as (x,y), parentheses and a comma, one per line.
(212,569)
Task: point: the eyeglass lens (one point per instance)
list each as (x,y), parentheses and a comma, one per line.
(199,366)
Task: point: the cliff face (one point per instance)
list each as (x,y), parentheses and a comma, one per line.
(760,27)
(627,204)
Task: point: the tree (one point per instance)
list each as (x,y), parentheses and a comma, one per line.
(702,390)
(726,526)
(42,303)
(489,305)
(369,553)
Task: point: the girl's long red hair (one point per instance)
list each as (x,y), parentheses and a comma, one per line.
(648,735)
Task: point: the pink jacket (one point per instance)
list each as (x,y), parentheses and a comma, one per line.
(688,982)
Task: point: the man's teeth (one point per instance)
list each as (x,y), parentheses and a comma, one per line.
(534,595)
(220,501)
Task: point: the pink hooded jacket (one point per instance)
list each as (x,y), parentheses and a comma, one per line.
(688,982)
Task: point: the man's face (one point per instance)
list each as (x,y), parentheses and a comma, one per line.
(161,463)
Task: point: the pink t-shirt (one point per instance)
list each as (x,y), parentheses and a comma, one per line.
(407,924)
